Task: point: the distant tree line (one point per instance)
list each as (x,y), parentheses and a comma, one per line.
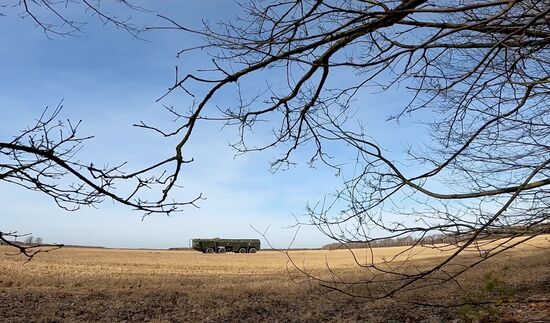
(29,240)
(437,239)
(34,240)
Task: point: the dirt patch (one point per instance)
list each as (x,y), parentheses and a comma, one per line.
(143,306)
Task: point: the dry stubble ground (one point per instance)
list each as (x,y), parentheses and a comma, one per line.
(79,284)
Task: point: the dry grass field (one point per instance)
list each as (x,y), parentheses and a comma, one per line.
(82,284)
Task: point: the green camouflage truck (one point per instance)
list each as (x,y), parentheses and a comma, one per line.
(218,245)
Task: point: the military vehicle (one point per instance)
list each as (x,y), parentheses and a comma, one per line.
(218,245)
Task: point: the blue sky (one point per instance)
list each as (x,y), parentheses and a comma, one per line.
(111,81)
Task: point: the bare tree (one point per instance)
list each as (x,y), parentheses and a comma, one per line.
(29,239)
(31,246)
(479,69)
(41,156)
(44,156)
(68,18)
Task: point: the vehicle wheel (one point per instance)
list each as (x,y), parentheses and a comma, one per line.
(221,250)
(209,250)
(242,250)
(252,250)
